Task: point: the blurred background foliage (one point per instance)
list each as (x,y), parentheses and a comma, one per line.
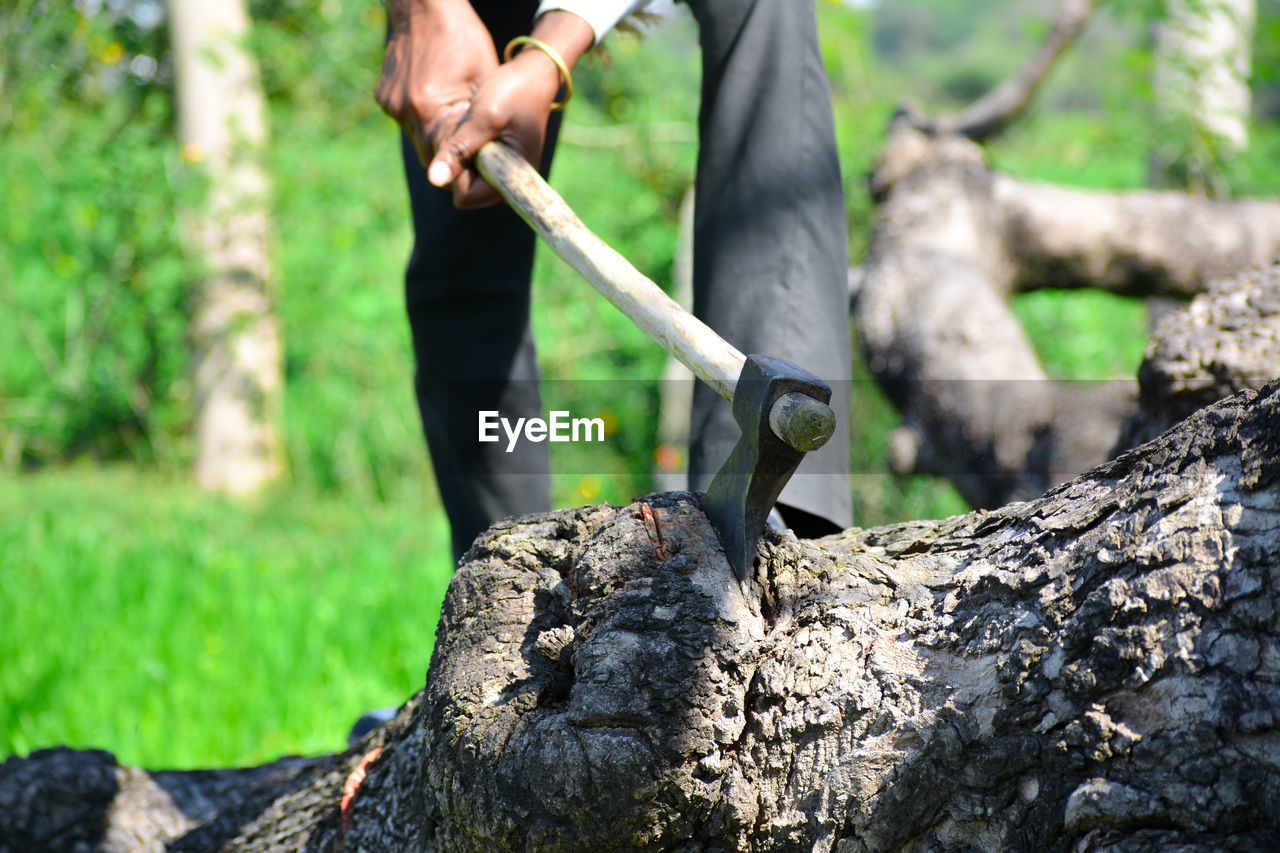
(182,629)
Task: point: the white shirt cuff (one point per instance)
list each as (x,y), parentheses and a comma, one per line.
(602,15)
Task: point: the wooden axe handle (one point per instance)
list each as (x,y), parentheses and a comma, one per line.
(708,355)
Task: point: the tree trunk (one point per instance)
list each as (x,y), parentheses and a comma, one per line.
(237,383)
(1202,66)
(952,239)
(1093,670)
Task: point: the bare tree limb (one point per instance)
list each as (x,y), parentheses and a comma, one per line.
(1142,243)
(991,113)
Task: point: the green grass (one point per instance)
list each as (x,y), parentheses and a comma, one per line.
(182,630)
(1085,334)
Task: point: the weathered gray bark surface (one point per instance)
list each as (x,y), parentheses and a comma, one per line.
(1225,341)
(1095,670)
(1140,243)
(952,239)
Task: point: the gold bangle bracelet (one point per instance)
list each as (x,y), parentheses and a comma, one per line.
(555,57)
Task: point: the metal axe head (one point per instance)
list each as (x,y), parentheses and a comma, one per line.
(783,412)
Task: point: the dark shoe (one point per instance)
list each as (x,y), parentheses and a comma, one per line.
(369,721)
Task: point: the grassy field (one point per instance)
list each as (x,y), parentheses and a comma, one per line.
(180,630)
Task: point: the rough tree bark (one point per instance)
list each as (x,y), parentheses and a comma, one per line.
(1098,669)
(236,377)
(1225,341)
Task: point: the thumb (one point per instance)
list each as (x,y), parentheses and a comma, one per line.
(444,169)
(455,151)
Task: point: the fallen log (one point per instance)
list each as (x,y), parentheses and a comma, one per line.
(952,240)
(1225,341)
(1098,669)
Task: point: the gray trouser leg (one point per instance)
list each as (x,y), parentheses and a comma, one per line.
(771,251)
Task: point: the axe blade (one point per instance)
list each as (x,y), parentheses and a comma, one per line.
(748,484)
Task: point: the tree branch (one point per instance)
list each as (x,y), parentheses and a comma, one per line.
(991,113)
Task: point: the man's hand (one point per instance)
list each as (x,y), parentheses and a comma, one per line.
(451,96)
(438,55)
(511,104)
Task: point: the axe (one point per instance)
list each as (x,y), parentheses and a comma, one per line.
(781,408)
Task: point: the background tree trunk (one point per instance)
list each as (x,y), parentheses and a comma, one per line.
(1093,670)
(236,383)
(675,391)
(1202,65)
